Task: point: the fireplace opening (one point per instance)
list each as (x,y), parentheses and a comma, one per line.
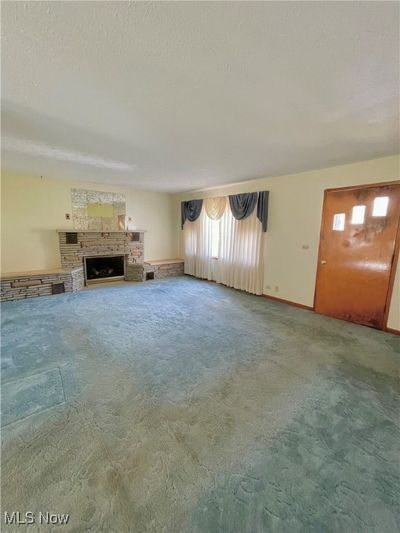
(104,268)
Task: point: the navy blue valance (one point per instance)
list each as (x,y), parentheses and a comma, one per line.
(262,209)
(190,210)
(242,205)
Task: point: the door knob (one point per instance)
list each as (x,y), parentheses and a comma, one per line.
(323,262)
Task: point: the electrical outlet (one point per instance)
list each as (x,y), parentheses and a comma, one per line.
(276,288)
(268,287)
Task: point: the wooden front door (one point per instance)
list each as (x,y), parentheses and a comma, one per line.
(357,252)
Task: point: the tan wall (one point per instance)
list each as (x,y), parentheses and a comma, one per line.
(33,208)
(295,208)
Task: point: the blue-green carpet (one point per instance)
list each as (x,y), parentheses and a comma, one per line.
(184,406)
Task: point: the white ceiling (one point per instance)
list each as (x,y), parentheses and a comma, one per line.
(176,96)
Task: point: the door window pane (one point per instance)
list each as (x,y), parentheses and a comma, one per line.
(380,206)
(358,214)
(338,222)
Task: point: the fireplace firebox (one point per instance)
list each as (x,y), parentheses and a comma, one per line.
(99,269)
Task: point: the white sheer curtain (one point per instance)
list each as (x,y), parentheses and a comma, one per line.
(197,243)
(240,261)
(240,251)
(191,231)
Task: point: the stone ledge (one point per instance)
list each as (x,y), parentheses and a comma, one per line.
(101,231)
(34,273)
(164,268)
(157,262)
(29,284)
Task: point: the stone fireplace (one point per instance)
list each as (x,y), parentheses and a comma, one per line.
(82,248)
(90,256)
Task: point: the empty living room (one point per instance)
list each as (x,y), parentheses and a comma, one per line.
(200,275)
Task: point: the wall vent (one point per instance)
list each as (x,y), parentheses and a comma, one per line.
(57,288)
(71,238)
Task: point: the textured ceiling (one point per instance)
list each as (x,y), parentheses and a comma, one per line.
(174,96)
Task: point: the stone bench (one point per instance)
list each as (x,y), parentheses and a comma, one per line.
(20,285)
(160,269)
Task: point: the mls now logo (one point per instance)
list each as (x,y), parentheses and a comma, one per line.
(18,518)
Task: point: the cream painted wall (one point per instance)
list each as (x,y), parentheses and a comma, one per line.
(295,208)
(32,208)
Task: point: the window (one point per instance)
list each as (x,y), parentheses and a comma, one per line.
(358,215)
(339,221)
(380,206)
(215,238)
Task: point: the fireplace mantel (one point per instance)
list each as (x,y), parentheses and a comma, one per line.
(101,230)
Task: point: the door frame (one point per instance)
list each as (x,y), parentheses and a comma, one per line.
(395,259)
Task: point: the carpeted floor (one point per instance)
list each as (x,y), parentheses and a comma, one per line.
(184,406)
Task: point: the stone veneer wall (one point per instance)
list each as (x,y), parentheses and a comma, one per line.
(93,243)
(19,286)
(134,272)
